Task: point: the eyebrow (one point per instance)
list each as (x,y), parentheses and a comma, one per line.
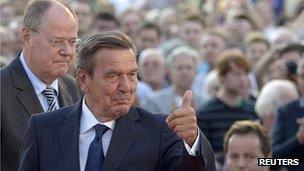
(135,70)
(112,70)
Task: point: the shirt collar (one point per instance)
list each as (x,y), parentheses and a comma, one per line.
(38,85)
(88,120)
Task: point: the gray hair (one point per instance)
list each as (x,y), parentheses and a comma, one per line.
(149,51)
(35,12)
(273,95)
(108,39)
(180,51)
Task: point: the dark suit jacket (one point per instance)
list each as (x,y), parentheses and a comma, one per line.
(285,143)
(140,141)
(18,102)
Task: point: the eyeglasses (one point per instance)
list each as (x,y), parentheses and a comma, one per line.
(60,42)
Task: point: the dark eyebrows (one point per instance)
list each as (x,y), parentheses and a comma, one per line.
(134,70)
(115,71)
(112,71)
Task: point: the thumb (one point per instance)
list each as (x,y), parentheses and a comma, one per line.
(187,98)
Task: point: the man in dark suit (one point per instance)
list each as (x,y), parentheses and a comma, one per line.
(48,48)
(134,139)
(288,131)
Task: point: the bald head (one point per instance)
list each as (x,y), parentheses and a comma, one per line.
(38,11)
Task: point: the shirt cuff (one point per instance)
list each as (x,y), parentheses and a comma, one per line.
(195,148)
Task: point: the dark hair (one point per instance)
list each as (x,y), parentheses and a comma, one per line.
(291,47)
(104,15)
(150,25)
(107,39)
(35,12)
(196,18)
(249,127)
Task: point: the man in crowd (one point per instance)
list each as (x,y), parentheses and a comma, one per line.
(288,131)
(148,36)
(182,63)
(218,114)
(230,105)
(244,143)
(126,137)
(152,72)
(36,80)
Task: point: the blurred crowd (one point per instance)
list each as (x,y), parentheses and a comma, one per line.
(243,59)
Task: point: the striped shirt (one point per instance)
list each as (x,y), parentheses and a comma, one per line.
(215,118)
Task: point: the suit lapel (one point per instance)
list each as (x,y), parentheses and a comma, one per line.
(64,97)
(68,131)
(124,135)
(27,96)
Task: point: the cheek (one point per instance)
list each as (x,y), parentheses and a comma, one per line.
(133,86)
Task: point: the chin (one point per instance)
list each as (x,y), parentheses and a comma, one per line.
(62,72)
(121,110)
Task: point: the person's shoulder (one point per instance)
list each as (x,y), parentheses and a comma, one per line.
(248,106)
(53,117)
(147,115)
(68,80)
(7,74)
(161,92)
(159,95)
(5,71)
(289,108)
(70,85)
(211,105)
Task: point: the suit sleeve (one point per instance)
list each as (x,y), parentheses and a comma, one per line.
(283,146)
(174,155)
(28,160)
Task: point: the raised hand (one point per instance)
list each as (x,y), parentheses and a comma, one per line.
(183,120)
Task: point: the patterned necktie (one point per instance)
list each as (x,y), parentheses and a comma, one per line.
(50,94)
(95,156)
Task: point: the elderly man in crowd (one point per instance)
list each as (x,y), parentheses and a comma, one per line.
(126,137)
(182,63)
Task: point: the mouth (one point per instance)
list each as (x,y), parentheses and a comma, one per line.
(121,101)
(61,62)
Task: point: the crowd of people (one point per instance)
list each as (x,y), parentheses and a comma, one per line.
(129,64)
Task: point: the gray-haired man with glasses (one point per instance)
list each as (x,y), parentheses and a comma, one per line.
(36,80)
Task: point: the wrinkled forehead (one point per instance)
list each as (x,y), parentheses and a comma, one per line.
(116,56)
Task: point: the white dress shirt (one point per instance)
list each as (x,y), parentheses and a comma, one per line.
(38,85)
(87,134)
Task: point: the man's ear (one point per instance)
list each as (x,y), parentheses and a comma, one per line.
(81,78)
(25,35)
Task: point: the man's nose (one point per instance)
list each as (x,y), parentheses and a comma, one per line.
(241,163)
(124,84)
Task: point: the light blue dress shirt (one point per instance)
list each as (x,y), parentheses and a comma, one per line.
(38,85)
